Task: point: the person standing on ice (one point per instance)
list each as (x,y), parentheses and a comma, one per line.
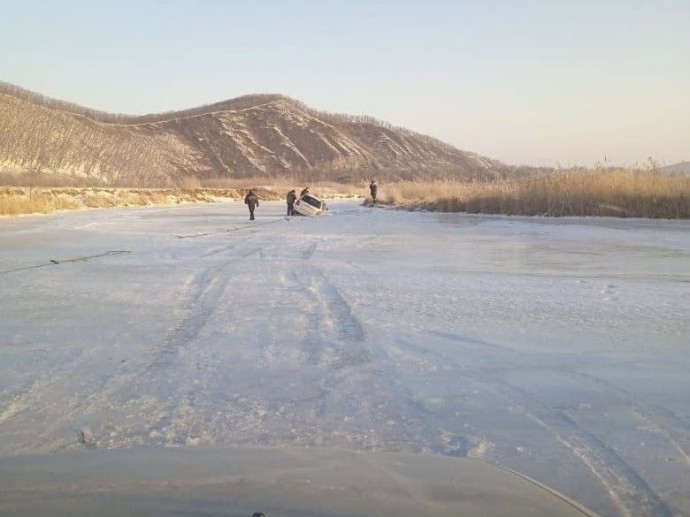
(305,190)
(291,198)
(252,201)
(373,189)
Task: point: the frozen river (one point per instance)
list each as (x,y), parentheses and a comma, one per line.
(559,348)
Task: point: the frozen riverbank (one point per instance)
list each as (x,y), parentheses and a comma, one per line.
(556,347)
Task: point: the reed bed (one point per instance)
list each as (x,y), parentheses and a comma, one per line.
(20,200)
(618,193)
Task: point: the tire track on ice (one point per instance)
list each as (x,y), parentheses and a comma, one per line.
(624,485)
(359,395)
(176,406)
(36,398)
(208,288)
(331,326)
(310,345)
(626,488)
(349,395)
(125,387)
(359,379)
(662,420)
(418,421)
(190,412)
(26,397)
(129,390)
(309,251)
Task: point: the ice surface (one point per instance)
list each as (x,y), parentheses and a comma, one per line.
(557,347)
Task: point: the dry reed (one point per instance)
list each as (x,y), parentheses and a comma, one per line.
(619,193)
(18,201)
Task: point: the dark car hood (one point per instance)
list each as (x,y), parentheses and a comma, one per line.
(278,482)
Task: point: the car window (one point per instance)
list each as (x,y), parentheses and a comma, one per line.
(312,201)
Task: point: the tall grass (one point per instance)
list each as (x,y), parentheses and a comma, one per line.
(17,201)
(619,193)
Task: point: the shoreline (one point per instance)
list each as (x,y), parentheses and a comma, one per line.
(25,201)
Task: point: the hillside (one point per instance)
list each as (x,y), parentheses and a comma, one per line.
(256,135)
(677,168)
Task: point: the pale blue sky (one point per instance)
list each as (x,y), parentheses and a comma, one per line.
(533,81)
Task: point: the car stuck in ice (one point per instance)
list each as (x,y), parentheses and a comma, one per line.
(309,205)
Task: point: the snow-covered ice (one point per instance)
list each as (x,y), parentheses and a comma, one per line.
(557,347)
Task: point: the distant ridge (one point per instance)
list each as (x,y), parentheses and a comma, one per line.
(677,168)
(263,135)
(243,102)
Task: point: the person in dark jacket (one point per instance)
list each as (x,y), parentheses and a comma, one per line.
(291,198)
(373,189)
(252,201)
(305,190)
